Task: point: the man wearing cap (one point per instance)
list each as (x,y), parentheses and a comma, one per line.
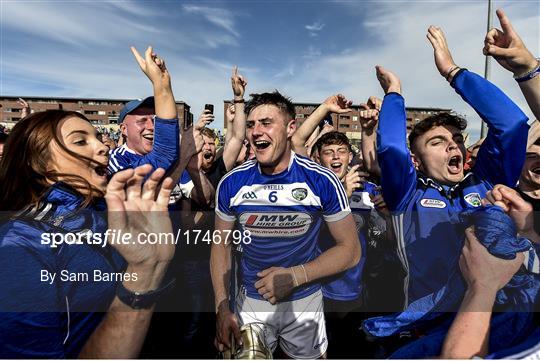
(140,127)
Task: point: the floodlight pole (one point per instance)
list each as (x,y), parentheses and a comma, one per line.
(487,66)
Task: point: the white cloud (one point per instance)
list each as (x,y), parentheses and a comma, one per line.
(314,28)
(100,65)
(222,18)
(404,49)
(73,24)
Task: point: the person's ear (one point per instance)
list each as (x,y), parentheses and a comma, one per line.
(417,162)
(350,157)
(291,128)
(123,129)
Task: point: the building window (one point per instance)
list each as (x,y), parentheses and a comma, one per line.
(344,126)
(344,117)
(355,118)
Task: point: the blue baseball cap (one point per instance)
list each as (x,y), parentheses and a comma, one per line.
(134,104)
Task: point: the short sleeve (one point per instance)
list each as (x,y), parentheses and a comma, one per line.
(333,198)
(223,200)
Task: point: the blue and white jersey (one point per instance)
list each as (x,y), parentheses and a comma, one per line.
(282,213)
(163,155)
(347,285)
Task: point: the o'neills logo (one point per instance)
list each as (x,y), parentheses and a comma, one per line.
(432,203)
(287,224)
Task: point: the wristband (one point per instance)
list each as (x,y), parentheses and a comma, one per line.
(451,71)
(294,276)
(138,300)
(530,74)
(236,101)
(305,273)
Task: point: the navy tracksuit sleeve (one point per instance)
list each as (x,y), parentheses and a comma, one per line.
(398,176)
(502,154)
(166,145)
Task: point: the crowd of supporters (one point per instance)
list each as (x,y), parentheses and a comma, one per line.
(410,247)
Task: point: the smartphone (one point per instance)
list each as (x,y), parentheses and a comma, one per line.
(209,107)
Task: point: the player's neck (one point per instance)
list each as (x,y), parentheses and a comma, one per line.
(281,166)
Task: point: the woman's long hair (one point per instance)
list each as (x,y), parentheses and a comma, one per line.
(25,169)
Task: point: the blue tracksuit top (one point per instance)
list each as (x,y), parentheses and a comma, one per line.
(426,214)
(42,319)
(163,155)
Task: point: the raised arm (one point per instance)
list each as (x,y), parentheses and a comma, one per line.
(155,69)
(229,119)
(25,111)
(398,175)
(502,154)
(166,146)
(334,104)
(134,208)
(235,141)
(192,143)
(511,53)
(369,117)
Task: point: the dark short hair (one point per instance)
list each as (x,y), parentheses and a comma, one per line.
(276,99)
(333,138)
(3,137)
(436,120)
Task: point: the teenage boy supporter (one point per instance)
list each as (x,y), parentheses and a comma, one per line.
(157,144)
(427,190)
(279,198)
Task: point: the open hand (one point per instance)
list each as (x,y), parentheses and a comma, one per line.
(338,104)
(25,107)
(136,208)
(443,59)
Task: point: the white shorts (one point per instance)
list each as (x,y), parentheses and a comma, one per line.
(298,325)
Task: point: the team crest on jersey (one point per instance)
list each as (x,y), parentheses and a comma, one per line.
(432,203)
(473,199)
(299,194)
(276,224)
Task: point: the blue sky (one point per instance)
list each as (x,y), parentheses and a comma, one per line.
(306,49)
